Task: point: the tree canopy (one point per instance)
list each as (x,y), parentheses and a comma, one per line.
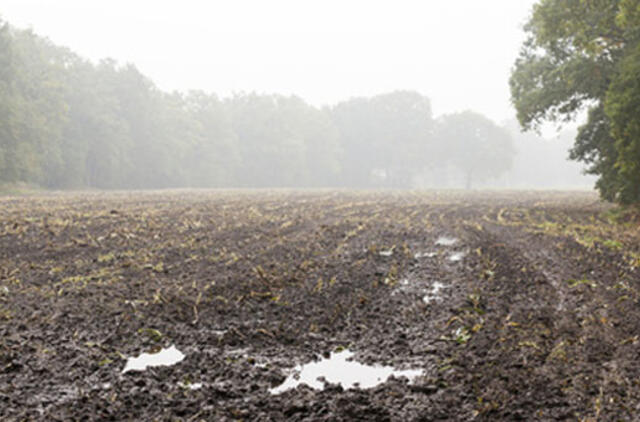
(585,55)
(68,123)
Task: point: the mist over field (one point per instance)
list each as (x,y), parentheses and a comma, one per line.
(285,210)
(77,120)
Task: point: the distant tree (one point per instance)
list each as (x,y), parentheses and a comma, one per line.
(213,157)
(322,151)
(356,138)
(476,146)
(584,54)
(33,85)
(68,123)
(282,141)
(7,117)
(391,133)
(270,156)
(98,134)
(141,108)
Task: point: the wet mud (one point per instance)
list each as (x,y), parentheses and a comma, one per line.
(482,306)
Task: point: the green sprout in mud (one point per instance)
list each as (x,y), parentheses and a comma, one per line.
(319,286)
(613,244)
(392,276)
(586,235)
(462,335)
(105,361)
(559,352)
(336,295)
(106,258)
(151,333)
(575,283)
(529,343)
(158,268)
(5,314)
(475,302)
(445,365)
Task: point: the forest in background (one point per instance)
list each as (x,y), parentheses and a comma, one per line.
(583,57)
(68,123)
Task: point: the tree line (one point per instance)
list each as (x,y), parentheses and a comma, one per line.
(585,56)
(68,123)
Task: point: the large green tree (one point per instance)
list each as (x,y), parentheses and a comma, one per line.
(581,55)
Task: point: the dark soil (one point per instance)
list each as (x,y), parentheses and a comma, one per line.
(539,321)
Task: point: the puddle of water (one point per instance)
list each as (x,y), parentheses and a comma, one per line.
(456,256)
(425,255)
(437,286)
(238,352)
(191,386)
(164,357)
(434,294)
(339,369)
(446,241)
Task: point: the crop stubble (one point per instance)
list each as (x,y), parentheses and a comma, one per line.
(539,321)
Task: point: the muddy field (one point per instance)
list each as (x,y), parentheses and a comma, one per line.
(505,306)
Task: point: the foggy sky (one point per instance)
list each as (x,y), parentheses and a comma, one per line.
(457,52)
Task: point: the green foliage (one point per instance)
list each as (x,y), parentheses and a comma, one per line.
(68,123)
(622,106)
(584,54)
(584,281)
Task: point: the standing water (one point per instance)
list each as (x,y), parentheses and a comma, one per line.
(164,357)
(446,241)
(434,293)
(340,369)
(456,256)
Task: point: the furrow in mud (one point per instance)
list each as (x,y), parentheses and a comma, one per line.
(510,306)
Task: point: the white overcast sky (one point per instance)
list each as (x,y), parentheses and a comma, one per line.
(457,52)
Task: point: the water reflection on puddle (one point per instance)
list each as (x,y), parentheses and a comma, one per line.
(338,369)
(164,357)
(434,293)
(456,256)
(190,386)
(425,255)
(446,241)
